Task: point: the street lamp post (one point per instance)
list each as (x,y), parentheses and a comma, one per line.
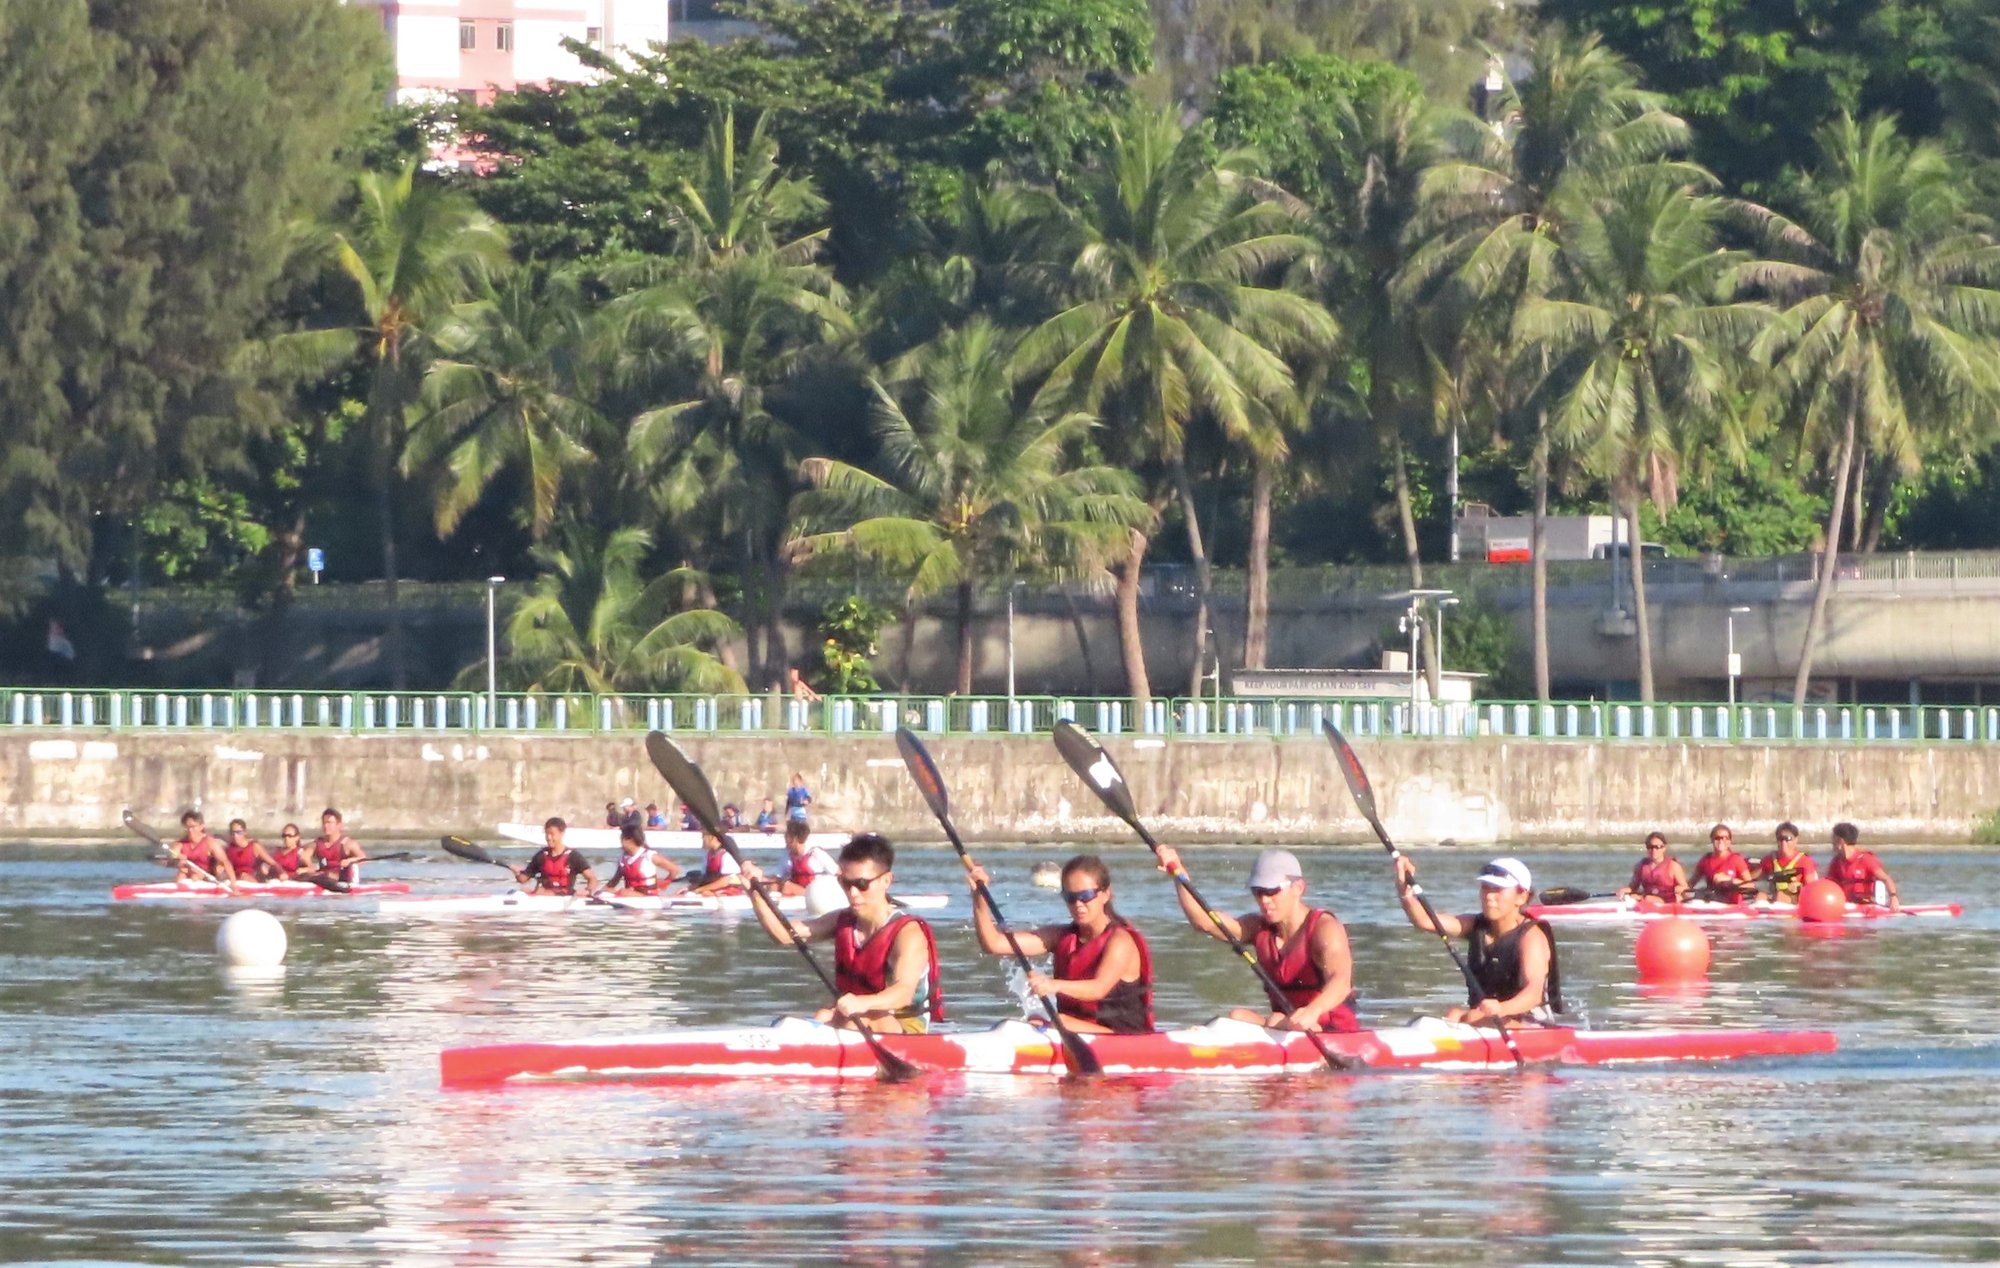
(492,652)
(1413,624)
(1734,664)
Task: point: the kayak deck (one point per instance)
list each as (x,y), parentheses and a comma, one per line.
(516,903)
(248,890)
(798,1048)
(1623,909)
(670,840)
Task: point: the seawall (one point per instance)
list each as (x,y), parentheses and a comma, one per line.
(1261,789)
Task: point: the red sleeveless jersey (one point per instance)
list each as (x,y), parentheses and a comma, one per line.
(862,968)
(200,853)
(289,859)
(1655,880)
(242,858)
(1128,1009)
(1856,876)
(1298,976)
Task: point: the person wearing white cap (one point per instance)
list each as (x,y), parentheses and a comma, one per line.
(1511,955)
(1304,949)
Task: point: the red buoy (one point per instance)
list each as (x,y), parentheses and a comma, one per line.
(1672,950)
(1823,902)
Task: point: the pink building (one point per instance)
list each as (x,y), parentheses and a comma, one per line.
(474,47)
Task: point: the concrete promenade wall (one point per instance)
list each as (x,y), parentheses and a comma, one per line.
(76,783)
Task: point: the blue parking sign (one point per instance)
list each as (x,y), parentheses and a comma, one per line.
(315,559)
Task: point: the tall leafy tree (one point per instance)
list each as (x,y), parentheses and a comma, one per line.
(1172,322)
(1891,295)
(972,486)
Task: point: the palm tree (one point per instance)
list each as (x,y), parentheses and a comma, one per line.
(738,202)
(1170,323)
(413,249)
(593,626)
(973,487)
(1892,310)
(1494,216)
(511,388)
(1641,337)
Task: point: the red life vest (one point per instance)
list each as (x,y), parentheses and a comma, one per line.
(1128,1009)
(289,859)
(330,853)
(803,871)
(200,853)
(1655,880)
(1298,976)
(634,873)
(1721,871)
(242,859)
(555,871)
(862,968)
(1856,876)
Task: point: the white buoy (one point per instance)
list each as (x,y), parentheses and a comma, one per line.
(1047,874)
(824,895)
(251,939)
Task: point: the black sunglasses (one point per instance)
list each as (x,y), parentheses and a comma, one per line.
(1080,895)
(1267,891)
(859,883)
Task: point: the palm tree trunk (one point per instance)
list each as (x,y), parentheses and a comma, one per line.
(1184,489)
(1881,488)
(1082,643)
(1131,647)
(1427,647)
(385,509)
(1638,562)
(776,573)
(965,637)
(1257,596)
(1538,540)
(1860,500)
(1830,560)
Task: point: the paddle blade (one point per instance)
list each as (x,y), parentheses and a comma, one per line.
(467,850)
(1351,770)
(924,771)
(1563,895)
(686,779)
(1094,766)
(138,826)
(325,882)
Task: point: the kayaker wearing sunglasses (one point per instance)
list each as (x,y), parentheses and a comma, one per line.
(884,961)
(1724,875)
(1788,868)
(1658,875)
(1304,949)
(1103,972)
(1510,954)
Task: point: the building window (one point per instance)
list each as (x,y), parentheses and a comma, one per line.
(468,36)
(503,37)
(594,36)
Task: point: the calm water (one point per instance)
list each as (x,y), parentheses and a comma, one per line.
(152,1111)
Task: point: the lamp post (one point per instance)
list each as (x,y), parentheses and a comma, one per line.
(1010,640)
(492,652)
(1412,624)
(1734,664)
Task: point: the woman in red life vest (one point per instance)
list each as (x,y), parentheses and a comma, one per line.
(290,856)
(198,852)
(336,854)
(1304,949)
(808,862)
(719,875)
(1788,868)
(247,857)
(1511,955)
(1102,976)
(1857,871)
(1658,875)
(884,961)
(640,870)
(556,868)
(1723,875)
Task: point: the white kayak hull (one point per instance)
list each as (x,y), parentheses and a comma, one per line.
(516,903)
(605,840)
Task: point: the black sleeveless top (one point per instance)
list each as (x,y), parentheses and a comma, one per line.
(1495,963)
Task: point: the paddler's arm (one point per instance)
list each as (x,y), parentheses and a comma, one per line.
(1033,942)
(780,929)
(1882,875)
(218,862)
(1119,963)
(589,879)
(909,965)
(1335,962)
(1448,925)
(1534,989)
(1681,887)
(1228,927)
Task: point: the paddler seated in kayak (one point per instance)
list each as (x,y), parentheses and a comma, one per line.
(335,854)
(197,852)
(640,869)
(247,856)
(1722,875)
(808,861)
(1511,955)
(1658,875)
(555,868)
(1102,978)
(290,856)
(1788,868)
(1304,949)
(1857,871)
(884,961)
(719,876)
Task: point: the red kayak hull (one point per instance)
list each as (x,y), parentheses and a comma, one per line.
(1612,910)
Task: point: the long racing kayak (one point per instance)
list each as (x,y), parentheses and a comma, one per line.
(516,903)
(605,840)
(1616,910)
(162,890)
(799,1048)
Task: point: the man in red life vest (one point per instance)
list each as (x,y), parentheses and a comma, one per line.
(1857,871)
(808,861)
(290,856)
(1658,875)
(1788,868)
(719,876)
(197,852)
(1723,875)
(640,870)
(884,960)
(1102,975)
(555,868)
(1304,949)
(247,857)
(335,854)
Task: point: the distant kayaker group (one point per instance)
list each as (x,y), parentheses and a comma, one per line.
(1726,876)
(239,857)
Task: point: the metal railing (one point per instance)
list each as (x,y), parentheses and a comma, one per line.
(384,713)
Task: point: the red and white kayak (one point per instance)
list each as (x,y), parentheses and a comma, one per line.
(248,890)
(1618,910)
(799,1048)
(516,903)
(605,840)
